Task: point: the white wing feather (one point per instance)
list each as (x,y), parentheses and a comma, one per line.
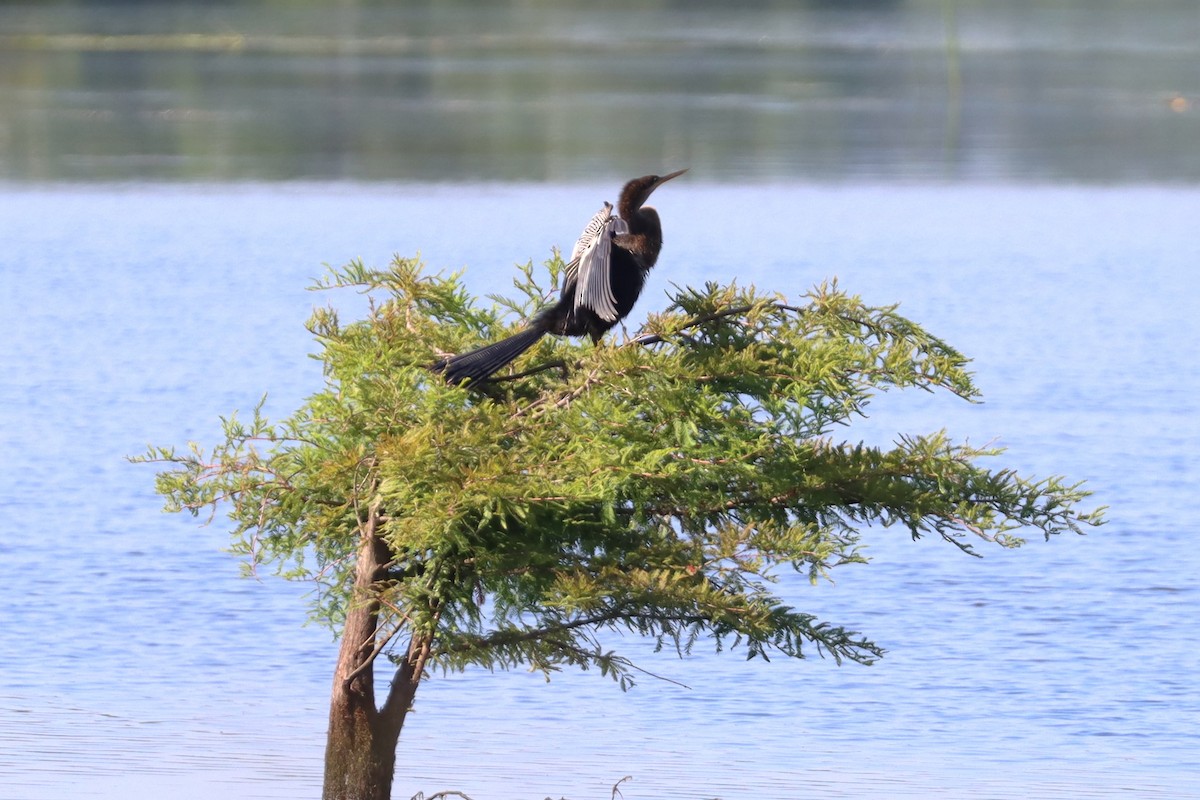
(593,287)
(589,265)
(591,231)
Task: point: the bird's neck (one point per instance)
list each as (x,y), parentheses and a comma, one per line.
(642,219)
(644,239)
(629,206)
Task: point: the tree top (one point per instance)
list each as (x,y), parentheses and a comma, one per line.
(654,485)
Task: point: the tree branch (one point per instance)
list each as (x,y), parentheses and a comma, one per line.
(498,638)
(405,682)
(556,364)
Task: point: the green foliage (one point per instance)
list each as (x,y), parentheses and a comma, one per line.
(653,486)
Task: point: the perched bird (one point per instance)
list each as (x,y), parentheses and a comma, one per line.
(603,280)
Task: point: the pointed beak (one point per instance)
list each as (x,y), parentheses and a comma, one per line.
(663,179)
(659,182)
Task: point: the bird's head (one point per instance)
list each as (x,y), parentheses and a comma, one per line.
(638,190)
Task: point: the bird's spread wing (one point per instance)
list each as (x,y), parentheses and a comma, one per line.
(591,232)
(593,284)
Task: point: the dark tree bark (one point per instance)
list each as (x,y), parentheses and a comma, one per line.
(360,751)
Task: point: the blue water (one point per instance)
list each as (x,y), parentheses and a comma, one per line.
(134,662)
(1050,90)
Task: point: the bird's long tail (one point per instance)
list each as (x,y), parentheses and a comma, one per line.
(479,365)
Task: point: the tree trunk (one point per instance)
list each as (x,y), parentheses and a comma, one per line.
(359,758)
(360,751)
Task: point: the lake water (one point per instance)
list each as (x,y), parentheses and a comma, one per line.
(135,662)
(1022,177)
(1096,90)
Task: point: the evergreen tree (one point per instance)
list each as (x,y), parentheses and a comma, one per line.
(652,486)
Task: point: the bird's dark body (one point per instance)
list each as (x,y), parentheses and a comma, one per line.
(632,253)
(631,258)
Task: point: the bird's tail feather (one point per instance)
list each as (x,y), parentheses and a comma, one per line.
(479,365)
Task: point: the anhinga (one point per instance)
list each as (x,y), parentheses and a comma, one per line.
(603,279)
